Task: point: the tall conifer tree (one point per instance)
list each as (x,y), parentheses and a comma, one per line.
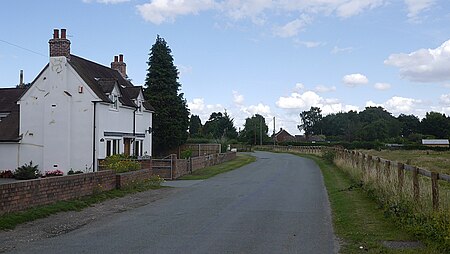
(171,120)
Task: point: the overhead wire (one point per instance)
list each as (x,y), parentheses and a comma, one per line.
(18,46)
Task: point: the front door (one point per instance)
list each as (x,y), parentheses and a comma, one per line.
(127,145)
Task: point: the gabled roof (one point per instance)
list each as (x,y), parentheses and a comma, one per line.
(9,126)
(102,80)
(284,132)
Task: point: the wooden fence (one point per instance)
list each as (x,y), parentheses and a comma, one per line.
(396,181)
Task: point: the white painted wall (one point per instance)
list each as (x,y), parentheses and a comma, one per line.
(56,123)
(56,120)
(9,156)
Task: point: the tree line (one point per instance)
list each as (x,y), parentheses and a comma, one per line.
(220,127)
(374,124)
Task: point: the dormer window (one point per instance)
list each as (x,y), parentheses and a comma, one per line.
(115,101)
(139,104)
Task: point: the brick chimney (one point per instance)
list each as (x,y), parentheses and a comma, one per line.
(119,65)
(59,46)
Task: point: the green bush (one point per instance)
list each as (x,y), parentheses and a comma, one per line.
(71,172)
(329,156)
(26,172)
(186,154)
(121,163)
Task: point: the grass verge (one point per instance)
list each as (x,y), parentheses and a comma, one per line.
(358,220)
(11,220)
(205,173)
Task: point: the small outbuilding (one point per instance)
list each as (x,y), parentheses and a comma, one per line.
(435,142)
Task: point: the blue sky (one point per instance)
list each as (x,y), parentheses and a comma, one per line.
(272,57)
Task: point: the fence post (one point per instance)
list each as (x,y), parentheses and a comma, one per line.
(387,168)
(435,189)
(416,187)
(378,169)
(400,176)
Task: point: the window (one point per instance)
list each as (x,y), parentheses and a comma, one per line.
(139,105)
(112,147)
(115,101)
(138,147)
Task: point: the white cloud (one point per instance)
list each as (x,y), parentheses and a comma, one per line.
(415,7)
(238,98)
(355,7)
(399,105)
(324,89)
(355,79)
(382,86)
(159,11)
(292,28)
(184,69)
(299,87)
(373,104)
(240,9)
(259,108)
(106,1)
(299,101)
(258,11)
(197,104)
(424,65)
(445,99)
(337,50)
(309,44)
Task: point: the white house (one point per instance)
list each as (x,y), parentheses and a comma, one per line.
(74,113)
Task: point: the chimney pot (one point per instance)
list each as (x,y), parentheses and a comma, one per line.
(119,65)
(59,46)
(55,34)
(21,78)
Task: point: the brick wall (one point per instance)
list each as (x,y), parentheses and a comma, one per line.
(25,194)
(132,177)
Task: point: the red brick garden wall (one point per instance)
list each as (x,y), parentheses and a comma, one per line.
(125,179)
(25,194)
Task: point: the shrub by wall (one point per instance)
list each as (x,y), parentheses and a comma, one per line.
(132,177)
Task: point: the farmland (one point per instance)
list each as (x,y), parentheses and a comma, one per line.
(438,161)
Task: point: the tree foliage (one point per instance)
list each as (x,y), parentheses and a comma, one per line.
(220,126)
(311,121)
(255,130)
(195,126)
(376,124)
(171,119)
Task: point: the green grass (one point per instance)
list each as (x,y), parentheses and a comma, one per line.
(205,173)
(357,218)
(11,220)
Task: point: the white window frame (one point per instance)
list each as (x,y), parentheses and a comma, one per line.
(138,147)
(115,101)
(112,147)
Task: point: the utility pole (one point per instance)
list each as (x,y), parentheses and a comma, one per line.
(273,131)
(260,131)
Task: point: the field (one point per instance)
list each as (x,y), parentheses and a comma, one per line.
(438,161)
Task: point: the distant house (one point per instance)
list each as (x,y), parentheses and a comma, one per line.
(435,142)
(283,136)
(74,113)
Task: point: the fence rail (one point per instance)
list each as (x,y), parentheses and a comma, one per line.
(394,179)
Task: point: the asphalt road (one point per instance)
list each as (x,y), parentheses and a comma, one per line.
(276,205)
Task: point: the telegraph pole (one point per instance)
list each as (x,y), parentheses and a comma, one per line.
(273,131)
(260,131)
